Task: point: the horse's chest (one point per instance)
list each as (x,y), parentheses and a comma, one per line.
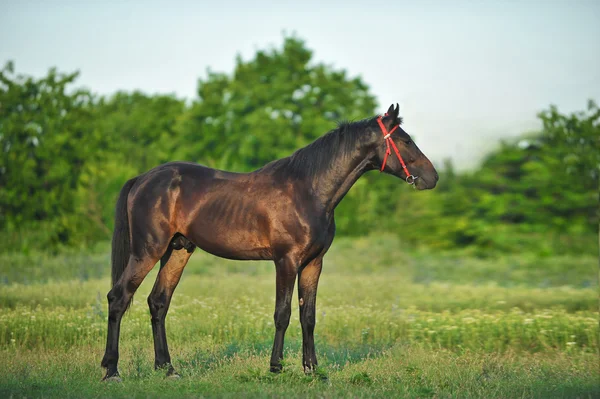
(304,237)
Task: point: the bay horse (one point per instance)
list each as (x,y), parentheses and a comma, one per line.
(283,211)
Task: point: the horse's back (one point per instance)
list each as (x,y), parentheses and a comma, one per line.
(231,215)
(221,212)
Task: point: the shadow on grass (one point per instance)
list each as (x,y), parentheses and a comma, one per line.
(329,356)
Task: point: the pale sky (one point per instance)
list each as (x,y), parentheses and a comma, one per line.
(465,73)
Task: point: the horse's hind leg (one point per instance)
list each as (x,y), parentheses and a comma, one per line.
(171,268)
(119,298)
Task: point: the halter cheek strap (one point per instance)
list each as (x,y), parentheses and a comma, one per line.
(410,179)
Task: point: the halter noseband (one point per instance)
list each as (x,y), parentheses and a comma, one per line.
(410,179)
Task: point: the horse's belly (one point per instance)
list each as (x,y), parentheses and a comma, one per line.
(240,238)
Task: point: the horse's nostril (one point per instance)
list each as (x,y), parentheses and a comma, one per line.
(437,177)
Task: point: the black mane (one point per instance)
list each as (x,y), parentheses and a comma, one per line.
(311,160)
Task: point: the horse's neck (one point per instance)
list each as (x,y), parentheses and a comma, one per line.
(333,185)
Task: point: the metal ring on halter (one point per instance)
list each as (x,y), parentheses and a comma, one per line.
(410,179)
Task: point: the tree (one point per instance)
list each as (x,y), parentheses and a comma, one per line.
(538,192)
(133,133)
(575,141)
(137,128)
(65,155)
(44,127)
(271,105)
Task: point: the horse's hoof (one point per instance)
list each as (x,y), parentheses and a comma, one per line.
(114,378)
(314,372)
(276,369)
(174,376)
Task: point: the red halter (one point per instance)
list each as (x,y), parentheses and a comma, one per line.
(410,179)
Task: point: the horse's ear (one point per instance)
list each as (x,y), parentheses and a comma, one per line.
(390,110)
(393,113)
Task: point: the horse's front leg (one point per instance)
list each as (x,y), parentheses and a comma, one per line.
(307,299)
(286,276)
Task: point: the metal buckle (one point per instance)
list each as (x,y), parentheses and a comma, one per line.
(410,179)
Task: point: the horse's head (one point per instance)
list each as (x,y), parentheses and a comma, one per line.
(400,148)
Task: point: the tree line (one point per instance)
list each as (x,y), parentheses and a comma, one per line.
(65,153)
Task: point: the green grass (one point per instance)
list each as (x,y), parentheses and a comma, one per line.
(389,324)
(352,310)
(371,255)
(396,372)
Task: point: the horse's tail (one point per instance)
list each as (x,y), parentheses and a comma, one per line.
(120,241)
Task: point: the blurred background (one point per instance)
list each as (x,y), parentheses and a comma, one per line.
(499,95)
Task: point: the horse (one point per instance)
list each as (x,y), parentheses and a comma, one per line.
(283,211)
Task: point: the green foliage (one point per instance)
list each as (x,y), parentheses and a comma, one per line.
(64,155)
(575,141)
(44,129)
(270,106)
(137,129)
(538,193)
(132,133)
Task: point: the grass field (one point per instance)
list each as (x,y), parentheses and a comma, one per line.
(389,324)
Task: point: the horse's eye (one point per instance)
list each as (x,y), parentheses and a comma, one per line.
(409,142)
